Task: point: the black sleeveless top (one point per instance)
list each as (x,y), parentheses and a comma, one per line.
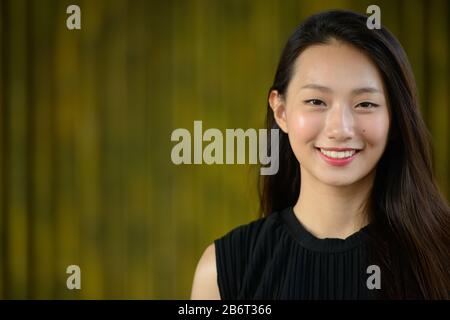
(277,258)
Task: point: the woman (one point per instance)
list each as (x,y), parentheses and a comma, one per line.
(354,211)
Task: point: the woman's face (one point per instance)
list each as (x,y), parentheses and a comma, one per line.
(335,101)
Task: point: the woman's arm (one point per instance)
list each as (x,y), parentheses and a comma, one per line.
(205,285)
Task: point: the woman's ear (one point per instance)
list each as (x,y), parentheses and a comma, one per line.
(277,104)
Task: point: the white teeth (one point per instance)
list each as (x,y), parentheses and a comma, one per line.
(338,154)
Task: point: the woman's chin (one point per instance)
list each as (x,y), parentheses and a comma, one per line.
(338,181)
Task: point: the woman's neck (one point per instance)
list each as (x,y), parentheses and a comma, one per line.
(333,211)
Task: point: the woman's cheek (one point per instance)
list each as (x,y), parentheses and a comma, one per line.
(375,130)
(305,126)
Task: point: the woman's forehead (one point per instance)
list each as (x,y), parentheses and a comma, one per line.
(336,66)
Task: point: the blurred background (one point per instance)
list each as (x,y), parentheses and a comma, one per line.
(86,116)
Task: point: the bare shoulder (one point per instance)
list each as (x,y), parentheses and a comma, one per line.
(205,285)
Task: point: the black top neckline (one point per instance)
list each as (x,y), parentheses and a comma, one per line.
(275,258)
(311,242)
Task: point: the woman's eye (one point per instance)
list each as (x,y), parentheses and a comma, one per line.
(315,102)
(367,105)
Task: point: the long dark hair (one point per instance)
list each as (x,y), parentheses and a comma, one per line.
(411,218)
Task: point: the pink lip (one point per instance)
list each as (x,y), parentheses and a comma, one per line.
(337,162)
(338,149)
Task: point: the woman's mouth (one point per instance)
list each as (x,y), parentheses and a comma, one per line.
(338,158)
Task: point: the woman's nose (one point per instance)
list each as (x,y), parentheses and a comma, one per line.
(340,123)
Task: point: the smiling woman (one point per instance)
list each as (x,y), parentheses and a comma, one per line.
(355,190)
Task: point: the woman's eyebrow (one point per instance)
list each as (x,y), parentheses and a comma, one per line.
(316,87)
(327,89)
(365,90)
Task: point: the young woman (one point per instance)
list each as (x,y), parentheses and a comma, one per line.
(354,211)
